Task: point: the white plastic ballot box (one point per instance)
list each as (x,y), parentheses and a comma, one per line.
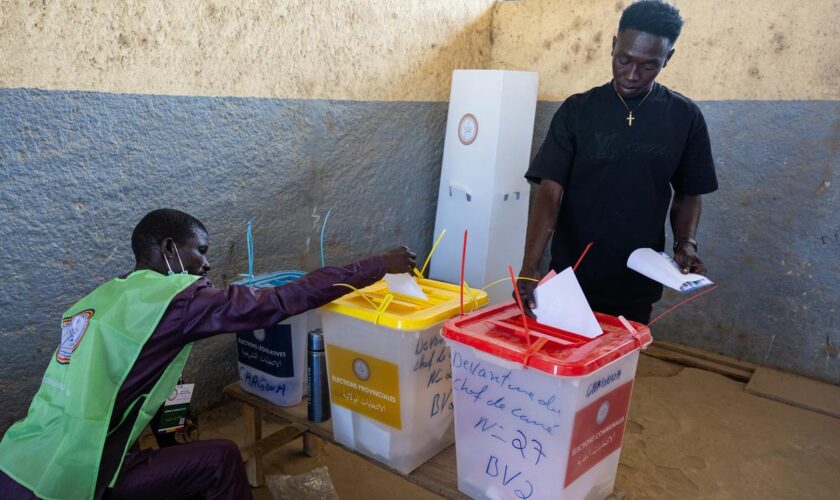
(272,361)
(489,132)
(389,374)
(539,412)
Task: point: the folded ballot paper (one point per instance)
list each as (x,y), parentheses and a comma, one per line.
(660,267)
(404,284)
(561,304)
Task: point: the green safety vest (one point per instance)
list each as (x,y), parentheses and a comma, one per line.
(55,451)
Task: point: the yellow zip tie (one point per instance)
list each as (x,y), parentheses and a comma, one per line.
(473,294)
(381,310)
(508,279)
(361,293)
(434,247)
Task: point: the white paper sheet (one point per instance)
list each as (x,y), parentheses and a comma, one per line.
(561,304)
(662,268)
(404,284)
(550,274)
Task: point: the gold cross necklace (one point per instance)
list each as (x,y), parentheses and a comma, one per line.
(630,116)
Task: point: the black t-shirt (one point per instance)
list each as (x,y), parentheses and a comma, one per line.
(618,181)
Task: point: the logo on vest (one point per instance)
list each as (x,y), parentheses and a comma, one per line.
(72,331)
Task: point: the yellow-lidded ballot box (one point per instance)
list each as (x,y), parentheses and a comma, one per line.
(390,373)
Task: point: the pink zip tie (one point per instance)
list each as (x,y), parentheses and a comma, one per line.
(533,350)
(686,301)
(521,309)
(632,330)
(582,255)
(463,264)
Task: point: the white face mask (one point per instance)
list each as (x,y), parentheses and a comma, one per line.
(183,269)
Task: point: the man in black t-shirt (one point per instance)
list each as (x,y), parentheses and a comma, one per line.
(607,168)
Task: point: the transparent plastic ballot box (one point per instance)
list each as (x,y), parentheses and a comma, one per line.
(272,361)
(389,371)
(540,415)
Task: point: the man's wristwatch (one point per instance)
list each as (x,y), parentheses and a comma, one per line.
(679,241)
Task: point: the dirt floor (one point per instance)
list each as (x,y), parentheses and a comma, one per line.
(691,434)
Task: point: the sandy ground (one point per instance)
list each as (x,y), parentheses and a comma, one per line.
(691,434)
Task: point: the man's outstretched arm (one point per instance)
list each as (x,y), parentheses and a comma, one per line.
(206,311)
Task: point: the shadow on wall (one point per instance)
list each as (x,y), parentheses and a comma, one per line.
(470,48)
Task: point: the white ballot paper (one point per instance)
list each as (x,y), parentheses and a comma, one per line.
(561,304)
(404,284)
(662,268)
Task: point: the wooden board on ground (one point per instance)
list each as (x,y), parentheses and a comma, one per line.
(694,361)
(795,390)
(276,440)
(707,355)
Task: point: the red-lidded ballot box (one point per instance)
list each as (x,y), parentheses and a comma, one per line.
(540,416)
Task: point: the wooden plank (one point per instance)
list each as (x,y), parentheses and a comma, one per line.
(795,390)
(293,414)
(694,362)
(252,416)
(707,355)
(312,445)
(438,475)
(276,440)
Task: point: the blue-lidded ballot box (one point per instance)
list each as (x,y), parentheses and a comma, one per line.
(272,361)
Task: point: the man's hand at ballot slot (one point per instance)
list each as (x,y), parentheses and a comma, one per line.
(526,288)
(400,260)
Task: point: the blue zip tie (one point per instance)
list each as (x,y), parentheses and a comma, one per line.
(250,237)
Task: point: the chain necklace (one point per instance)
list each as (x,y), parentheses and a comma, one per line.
(630,116)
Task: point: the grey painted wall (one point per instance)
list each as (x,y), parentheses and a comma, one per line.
(770,237)
(79,169)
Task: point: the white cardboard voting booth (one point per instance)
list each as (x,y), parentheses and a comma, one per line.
(489,132)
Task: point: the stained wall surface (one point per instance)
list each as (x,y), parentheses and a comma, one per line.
(230,111)
(728,49)
(329,49)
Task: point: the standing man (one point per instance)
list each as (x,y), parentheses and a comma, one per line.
(122,350)
(607,168)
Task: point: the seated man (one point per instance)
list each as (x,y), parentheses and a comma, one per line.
(122,350)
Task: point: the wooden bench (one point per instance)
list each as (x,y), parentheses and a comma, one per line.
(437,475)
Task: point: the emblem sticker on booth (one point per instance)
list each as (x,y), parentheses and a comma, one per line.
(364,384)
(598,431)
(468,129)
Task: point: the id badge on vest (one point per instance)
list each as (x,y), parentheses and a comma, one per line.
(175,409)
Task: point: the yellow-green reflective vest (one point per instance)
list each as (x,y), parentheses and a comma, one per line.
(55,451)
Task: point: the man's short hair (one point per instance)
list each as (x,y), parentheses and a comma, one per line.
(160,224)
(652,16)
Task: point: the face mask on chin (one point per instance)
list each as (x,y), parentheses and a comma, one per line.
(171,272)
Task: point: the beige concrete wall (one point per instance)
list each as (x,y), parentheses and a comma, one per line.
(330,49)
(729,49)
